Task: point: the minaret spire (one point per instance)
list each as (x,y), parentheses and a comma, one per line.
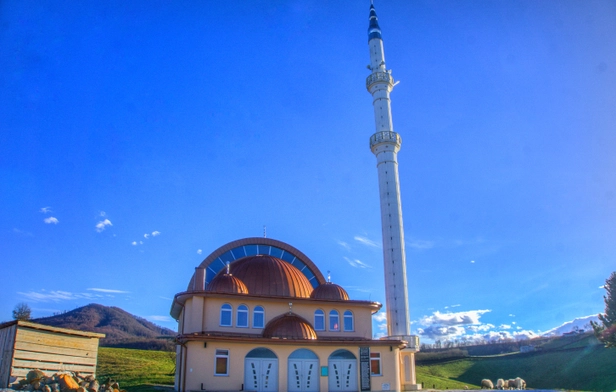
(385,144)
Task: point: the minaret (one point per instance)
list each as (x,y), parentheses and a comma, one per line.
(385,144)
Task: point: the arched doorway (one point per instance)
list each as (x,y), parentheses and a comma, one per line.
(261,370)
(303,371)
(342,371)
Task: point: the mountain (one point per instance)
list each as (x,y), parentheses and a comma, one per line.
(580,324)
(121,328)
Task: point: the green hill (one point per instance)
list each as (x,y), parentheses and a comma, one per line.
(121,328)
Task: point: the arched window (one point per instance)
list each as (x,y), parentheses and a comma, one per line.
(334,321)
(348,320)
(258,317)
(226,313)
(242,316)
(319,320)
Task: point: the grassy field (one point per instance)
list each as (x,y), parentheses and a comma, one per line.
(136,370)
(590,368)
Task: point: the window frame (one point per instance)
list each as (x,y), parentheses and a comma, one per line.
(258,310)
(334,314)
(227,309)
(242,309)
(376,357)
(348,315)
(320,314)
(221,354)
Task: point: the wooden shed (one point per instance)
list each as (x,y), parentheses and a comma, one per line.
(25,346)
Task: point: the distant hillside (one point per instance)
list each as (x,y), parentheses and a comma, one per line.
(121,328)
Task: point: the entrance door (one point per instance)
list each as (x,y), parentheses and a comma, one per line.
(303,375)
(342,371)
(261,371)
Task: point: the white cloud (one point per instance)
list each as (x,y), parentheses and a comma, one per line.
(155,233)
(381,322)
(380,317)
(50,220)
(45,210)
(146,236)
(480,328)
(455,306)
(199,251)
(134,243)
(102,225)
(366,241)
(361,289)
(472,261)
(504,326)
(437,332)
(602,287)
(454,318)
(344,245)
(419,244)
(102,213)
(159,318)
(580,323)
(22,233)
(57,296)
(511,315)
(109,291)
(356,263)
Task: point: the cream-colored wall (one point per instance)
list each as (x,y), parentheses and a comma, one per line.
(200,365)
(203,314)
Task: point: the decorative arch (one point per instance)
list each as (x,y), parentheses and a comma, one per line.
(238,249)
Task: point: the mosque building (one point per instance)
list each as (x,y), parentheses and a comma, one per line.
(258,315)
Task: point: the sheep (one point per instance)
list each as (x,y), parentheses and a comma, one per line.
(511,384)
(487,384)
(519,383)
(501,384)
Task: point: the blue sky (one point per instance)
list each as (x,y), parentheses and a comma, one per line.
(137,137)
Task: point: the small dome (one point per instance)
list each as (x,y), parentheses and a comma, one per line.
(270,276)
(329,290)
(227,283)
(289,326)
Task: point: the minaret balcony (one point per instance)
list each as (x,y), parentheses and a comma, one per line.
(379,77)
(385,137)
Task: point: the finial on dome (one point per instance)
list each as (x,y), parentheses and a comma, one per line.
(329,277)
(290,307)
(264,231)
(228,267)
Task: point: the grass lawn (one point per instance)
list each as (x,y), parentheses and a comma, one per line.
(136,370)
(592,368)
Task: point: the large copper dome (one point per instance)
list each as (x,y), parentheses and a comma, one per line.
(226,283)
(331,291)
(267,275)
(289,326)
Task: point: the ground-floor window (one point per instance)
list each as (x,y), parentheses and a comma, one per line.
(375,364)
(222,363)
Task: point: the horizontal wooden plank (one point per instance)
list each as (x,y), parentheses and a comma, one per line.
(52,339)
(23,372)
(20,345)
(53,366)
(59,358)
(66,331)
